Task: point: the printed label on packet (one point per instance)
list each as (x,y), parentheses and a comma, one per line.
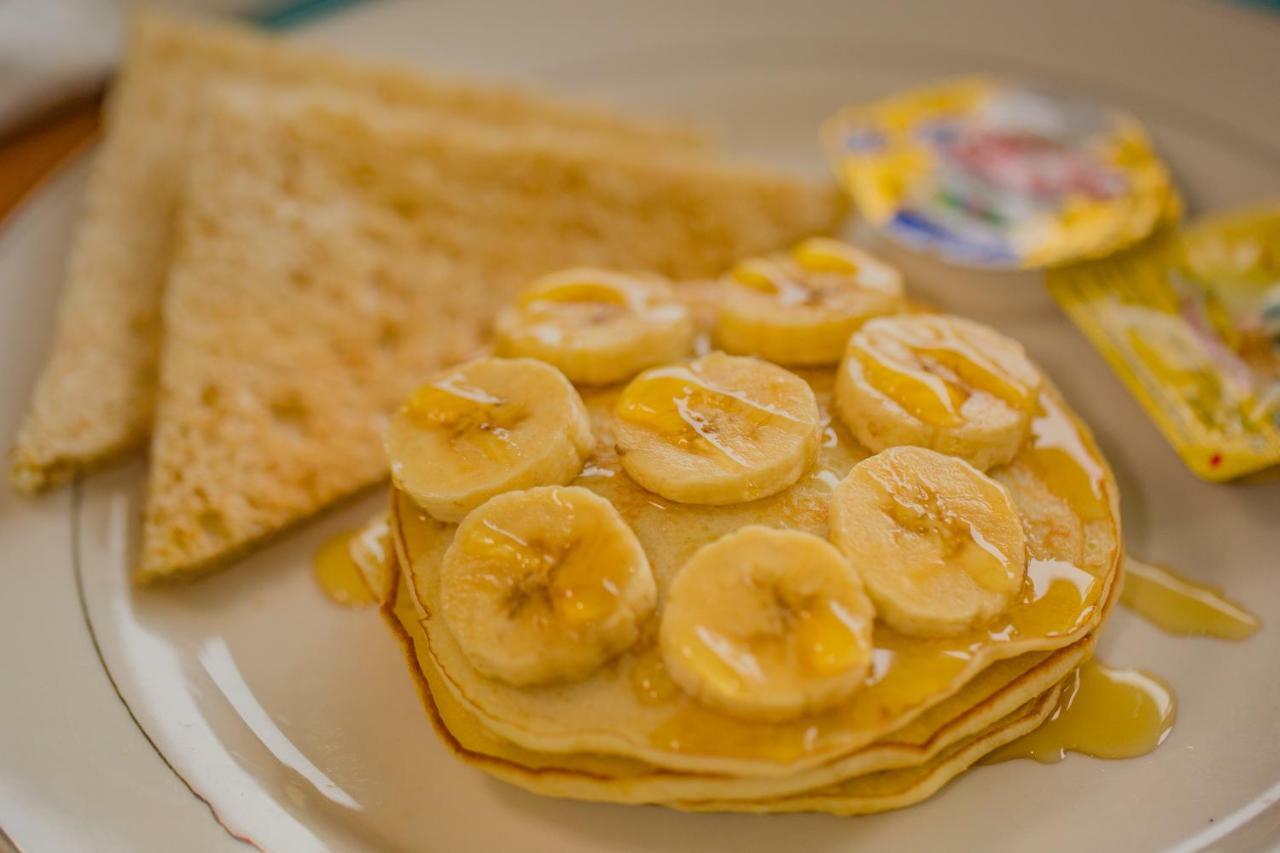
(999,175)
(1191,323)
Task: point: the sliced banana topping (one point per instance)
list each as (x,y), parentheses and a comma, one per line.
(940,382)
(800,308)
(767,624)
(720,430)
(545,585)
(597,326)
(939,544)
(487,427)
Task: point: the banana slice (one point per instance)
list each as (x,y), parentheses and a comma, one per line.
(597,326)
(720,430)
(938,543)
(767,624)
(486,427)
(940,382)
(801,307)
(545,585)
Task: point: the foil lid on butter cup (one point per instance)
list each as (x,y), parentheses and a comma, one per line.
(988,173)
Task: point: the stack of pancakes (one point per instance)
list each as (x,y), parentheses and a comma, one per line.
(930,708)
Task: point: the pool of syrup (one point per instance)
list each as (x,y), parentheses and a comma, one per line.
(1104,712)
(337,573)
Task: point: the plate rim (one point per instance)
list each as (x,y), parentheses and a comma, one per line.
(57,181)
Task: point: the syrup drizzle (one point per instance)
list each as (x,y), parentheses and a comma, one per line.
(1178,605)
(1125,713)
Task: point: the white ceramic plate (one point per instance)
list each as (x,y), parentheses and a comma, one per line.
(248,706)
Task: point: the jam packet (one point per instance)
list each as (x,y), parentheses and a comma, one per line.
(1191,322)
(988,173)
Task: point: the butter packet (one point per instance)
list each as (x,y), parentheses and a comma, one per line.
(988,173)
(1191,323)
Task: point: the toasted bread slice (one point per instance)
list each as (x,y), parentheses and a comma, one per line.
(95,395)
(332,254)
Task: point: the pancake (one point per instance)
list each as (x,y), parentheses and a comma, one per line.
(1000,695)
(895,789)
(1063,491)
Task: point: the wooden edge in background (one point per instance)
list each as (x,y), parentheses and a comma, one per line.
(36,151)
